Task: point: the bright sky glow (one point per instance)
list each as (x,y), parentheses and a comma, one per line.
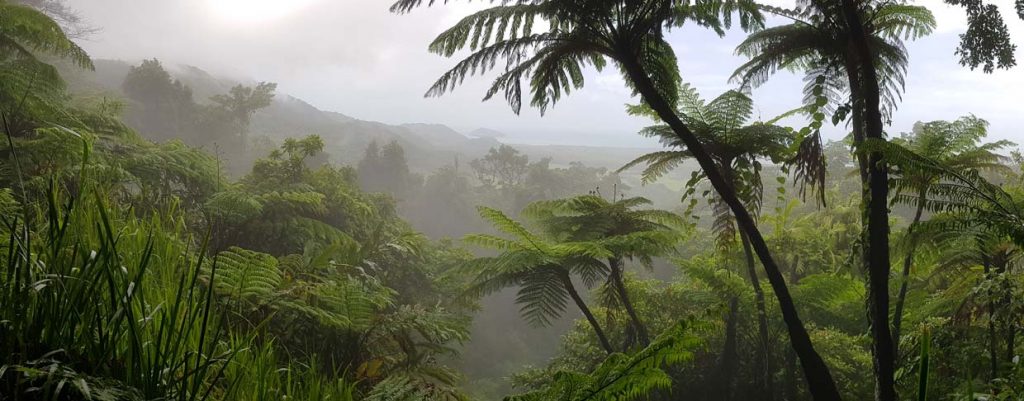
(256,11)
(357,58)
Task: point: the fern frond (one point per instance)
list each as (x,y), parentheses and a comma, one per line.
(245,274)
(622,377)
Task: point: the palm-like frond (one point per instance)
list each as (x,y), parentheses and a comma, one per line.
(816,43)
(656,164)
(787,47)
(955,146)
(965,191)
(541,268)
(622,377)
(246,274)
(542,296)
(723,126)
(505,224)
(904,21)
(25,30)
(551,61)
(611,224)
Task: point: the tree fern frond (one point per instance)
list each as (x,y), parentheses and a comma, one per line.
(245,274)
(24,30)
(542,296)
(622,377)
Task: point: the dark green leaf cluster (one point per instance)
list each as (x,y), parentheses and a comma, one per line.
(987,40)
(623,377)
(575,36)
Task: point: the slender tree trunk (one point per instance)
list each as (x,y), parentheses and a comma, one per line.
(993,360)
(730,355)
(1008,324)
(615,265)
(762,367)
(571,289)
(857,123)
(819,377)
(1011,342)
(763,364)
(877,213)
(908,261)
(790,391)
(791,387)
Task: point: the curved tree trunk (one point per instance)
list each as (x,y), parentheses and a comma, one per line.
(877,208)
(730,354)
(763,365)
(819,377)
(615,265)
(571,289)
(908,261)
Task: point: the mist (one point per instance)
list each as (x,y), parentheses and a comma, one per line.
(625,200)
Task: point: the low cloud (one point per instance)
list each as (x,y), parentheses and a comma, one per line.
(355,57)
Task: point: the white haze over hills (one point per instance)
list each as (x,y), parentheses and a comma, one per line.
(354,57)
(428,146)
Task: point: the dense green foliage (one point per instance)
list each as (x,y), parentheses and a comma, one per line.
(138,263)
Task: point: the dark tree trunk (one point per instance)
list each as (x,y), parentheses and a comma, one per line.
(730,354)
(1011,342)
(763,373)
(790,391)
(857,122)
(571,289)
(763,365)
(791,387)
(615,265)
(877,208)
(819,378)
(908,261)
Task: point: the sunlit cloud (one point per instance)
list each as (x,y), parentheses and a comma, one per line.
(255,11)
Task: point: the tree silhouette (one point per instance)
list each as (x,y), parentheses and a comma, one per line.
(863,42)
(540,267)
(955,145)
(165,108)
(627,232)
(503,167)
(722,125)
(579,34)
(241,102)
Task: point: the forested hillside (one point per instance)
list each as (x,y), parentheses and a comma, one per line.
(172,235)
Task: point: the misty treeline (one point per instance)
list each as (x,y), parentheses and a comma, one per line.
(153,248)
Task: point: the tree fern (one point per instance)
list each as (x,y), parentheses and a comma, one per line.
(26,31)
(814,43)
(622,377)
(246,274)
(31,90)
(723,126)
(398,388)
(832,298)
(723,283)
(234,206)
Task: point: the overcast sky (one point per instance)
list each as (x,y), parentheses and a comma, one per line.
(354,57)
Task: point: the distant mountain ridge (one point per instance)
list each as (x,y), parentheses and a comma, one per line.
(486,133)
(427,146)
